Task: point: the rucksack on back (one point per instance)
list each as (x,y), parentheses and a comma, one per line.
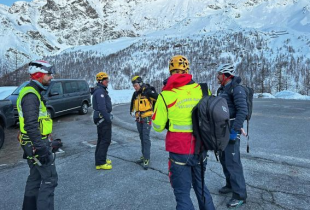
(210,118)
(249,101)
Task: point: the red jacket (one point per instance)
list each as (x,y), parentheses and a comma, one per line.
(179,87)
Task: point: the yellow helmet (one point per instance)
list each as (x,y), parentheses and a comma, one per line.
(179,62)
(136,79)
(101,76)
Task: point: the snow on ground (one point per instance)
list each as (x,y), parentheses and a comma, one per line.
(291,95)
(283,95)
(6,91)
(120,96)
(124,96)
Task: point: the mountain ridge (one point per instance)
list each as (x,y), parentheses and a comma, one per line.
(51,28)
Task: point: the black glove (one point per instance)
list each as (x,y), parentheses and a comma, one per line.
(56,144)
(43,155)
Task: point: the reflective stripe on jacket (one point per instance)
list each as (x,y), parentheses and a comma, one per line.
(180,102)
(45,121)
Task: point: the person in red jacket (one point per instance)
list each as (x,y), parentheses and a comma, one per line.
(173,110)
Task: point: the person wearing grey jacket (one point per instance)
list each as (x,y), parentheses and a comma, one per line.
(230,158)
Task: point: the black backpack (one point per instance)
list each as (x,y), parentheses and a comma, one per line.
(210,118)
(249,101)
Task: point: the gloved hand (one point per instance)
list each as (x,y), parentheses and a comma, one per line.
(111,116)
(234,135)
(43,155)
(56,144)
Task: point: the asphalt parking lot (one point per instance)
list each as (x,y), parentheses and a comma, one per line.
(277,169)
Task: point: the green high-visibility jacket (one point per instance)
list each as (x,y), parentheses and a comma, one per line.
(46,123)
(180,102)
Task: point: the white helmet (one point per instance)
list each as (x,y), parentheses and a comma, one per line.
(226,68)
(40,66)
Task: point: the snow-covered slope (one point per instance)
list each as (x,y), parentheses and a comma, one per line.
(267,29)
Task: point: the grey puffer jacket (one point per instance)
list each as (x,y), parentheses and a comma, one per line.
(236,101)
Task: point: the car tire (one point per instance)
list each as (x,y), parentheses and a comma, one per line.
(1,136)
(84,108)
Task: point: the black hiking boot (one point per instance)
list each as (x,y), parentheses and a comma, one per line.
(146,164)
(140,160)
(234,203)
(225,190)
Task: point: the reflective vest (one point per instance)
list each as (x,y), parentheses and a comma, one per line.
(180,102)
(46,123)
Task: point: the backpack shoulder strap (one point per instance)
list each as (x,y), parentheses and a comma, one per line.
(204,89)
(164,101)
(167,124)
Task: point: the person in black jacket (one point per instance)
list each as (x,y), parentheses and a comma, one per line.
(102,117)
(142,103)
(230,158)
(33,116)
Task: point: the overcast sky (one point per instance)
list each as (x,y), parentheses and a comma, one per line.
(9,2)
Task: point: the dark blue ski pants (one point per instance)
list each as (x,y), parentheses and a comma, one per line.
(183,177)
(104,131)
(232,168)
(144,128)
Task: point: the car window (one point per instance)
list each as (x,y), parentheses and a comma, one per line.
(16,92)
(74,87)
(57,88)
(68,88)
(83,86)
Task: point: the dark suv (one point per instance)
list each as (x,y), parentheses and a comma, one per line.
(6,118)
(62,96)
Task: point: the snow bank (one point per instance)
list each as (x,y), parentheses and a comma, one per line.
(6,91)
(124,96)
(291,95)
(120,96)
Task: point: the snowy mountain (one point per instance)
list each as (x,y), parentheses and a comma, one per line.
(257,35)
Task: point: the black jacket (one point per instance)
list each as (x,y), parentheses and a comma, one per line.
(147,91)
(236,101)
(31,109)
(102,101)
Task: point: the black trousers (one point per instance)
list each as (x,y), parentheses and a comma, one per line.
(104,131)
(40,186)
(233,170)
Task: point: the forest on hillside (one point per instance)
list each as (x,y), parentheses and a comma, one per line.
(261,65)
